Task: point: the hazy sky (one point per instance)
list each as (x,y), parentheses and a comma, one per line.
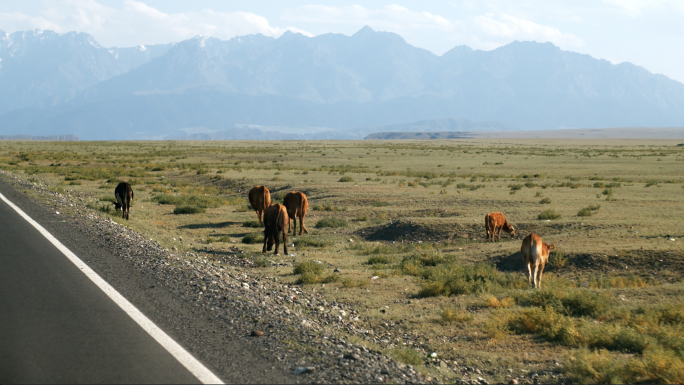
(649,33)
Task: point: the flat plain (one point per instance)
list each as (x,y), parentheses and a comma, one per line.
(396,229)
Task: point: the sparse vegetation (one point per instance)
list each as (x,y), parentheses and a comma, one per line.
(548,214)
(610,306)
(331,223)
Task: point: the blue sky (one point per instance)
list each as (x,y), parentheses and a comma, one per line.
(649,33)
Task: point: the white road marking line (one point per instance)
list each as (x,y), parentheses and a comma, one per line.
(186,359)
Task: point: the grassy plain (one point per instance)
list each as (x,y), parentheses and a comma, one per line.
(403,221)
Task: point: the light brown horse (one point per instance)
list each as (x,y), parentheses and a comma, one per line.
(535,253)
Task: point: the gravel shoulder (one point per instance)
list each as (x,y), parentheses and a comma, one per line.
(213,311)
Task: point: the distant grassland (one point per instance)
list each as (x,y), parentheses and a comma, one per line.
(403,222)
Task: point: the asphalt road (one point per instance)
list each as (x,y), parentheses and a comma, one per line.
(57,326)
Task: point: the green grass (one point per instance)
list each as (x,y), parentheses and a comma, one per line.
(379,260)
(306,241)
(333,223)
(189,210)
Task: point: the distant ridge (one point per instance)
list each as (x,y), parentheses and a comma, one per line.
(337,86)
(579,133)
(63,138)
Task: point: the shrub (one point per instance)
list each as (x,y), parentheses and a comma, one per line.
(188,210)
(597,367)
(306,241)
(548,214)
(379,260)
(312,272)
(547,323)
(253,224)
(328,207)
(190,200)
(499,303)
(580,302)
(262,261)
(515,187)
(587,211)
(408,356)
(253,238)
(557,259)
(346,178)
(350,282)
(451,316)
(331,223)
(449,279)
(380,204)
(545,201)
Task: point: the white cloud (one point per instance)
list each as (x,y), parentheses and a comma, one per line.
(493,29)
(392,18)
(636,7)
(487,31)
(137,23)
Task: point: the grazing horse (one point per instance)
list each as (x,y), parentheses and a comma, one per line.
(275,222)
(535,253)
(260,199)
(296,205)
(124,197)
(497,221)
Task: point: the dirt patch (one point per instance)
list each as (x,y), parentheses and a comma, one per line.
(411,231)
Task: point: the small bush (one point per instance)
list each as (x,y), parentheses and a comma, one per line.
(311,267)
(346,178)
(548,214)
(598,367)
(515,187)
(380,204)
(328,207)
(451,316)
(651,183)
(253,238)
(188,210)
(499,303)
(306,241)
(331,223)
(588,211)
(450,279)
(547,323)
(252,224)
(262,261)
(311,272)
(557,259)
(408,356)
(350,282)
(379,260)
(545,201)
(577,303)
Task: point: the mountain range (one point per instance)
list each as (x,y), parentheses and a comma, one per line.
(327,86)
